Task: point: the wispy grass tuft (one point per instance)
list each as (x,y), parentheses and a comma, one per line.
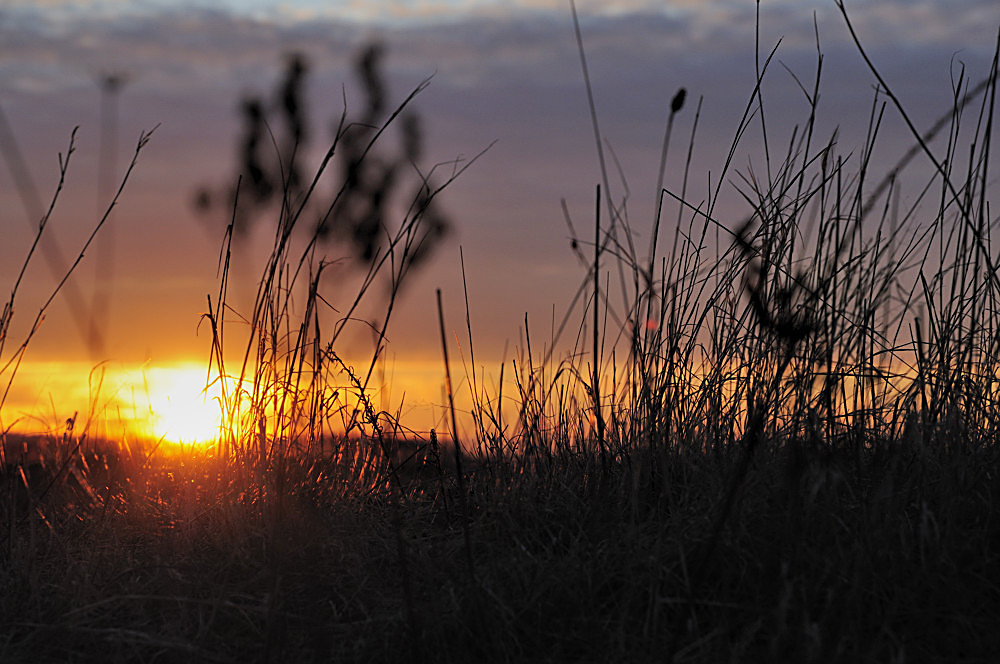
(774,441)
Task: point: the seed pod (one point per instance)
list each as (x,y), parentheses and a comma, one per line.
(678,101)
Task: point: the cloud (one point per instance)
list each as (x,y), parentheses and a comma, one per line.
(506,71)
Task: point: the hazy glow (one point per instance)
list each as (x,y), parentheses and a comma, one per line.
(170,402)
(182,408)
(178,403)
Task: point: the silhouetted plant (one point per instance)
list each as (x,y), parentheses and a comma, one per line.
(359,206)
(291,388)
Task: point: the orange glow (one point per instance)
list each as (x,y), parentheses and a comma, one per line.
(115,399)
(175,402)
(182,408)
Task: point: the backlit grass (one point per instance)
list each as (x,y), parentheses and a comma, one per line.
(775,440)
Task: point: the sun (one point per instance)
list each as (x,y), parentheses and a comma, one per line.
(181,409)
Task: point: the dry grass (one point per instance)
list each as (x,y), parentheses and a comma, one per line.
(796,461)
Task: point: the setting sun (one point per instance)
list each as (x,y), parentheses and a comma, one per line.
(181,408)
(396,331)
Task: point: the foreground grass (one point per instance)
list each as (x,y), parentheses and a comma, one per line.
(884,555)
(777,445)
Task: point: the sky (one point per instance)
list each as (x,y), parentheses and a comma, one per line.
(504,75)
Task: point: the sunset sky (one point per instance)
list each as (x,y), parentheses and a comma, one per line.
(506,71)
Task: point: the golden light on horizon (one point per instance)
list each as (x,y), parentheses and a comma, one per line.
(173,402)
(183,406)
(179,402)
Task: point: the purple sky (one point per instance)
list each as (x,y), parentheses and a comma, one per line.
(502,71)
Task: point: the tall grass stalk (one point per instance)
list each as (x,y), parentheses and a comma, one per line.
(778,444)
(291,392)
(11,363)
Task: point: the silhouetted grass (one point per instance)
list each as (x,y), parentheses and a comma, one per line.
(775,442)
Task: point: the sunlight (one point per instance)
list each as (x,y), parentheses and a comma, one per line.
(169,401)
(180,408)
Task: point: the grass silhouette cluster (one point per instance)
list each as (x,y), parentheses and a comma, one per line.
(777,441)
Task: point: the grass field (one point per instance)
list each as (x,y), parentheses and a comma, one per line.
(776,441)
